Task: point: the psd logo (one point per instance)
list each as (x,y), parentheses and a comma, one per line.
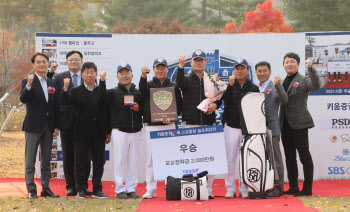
(340,123)
(335,124)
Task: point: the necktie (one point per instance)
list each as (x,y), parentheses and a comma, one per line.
(75,80)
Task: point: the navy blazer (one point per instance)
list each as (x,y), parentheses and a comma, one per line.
(65,117)
(39,112)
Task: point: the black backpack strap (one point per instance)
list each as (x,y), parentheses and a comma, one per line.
(198,189)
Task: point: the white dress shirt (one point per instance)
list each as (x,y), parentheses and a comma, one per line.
(262,87)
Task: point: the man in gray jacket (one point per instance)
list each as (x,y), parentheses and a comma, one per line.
(274,96)
(295,121)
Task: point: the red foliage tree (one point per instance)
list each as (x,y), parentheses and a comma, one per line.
(264,19)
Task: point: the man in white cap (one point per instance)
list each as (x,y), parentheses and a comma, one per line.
(125,125)
(160,80)
(238,86)
(192,87)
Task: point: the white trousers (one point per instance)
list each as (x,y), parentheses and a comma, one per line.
(151,183)
(210,177)
(126,151)
(233,139)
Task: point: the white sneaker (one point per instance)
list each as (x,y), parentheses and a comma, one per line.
(230,194)
(210,195)
(243,194)
(149,195)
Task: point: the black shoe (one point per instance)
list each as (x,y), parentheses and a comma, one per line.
(303,193)
(71,192)
(291,191)
(275,193)
(81,195)
(88,192)
(99,195)
(32,195)
(133,195)
(48,193)
(122,195)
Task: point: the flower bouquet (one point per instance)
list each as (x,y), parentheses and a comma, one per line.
(214,88)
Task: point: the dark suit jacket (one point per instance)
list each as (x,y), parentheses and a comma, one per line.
(90,117)
(295,109)
(39,112)
(65,118)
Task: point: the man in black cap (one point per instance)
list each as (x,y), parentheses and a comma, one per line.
(125,103)
(160,80)
(192,87)
(231,119)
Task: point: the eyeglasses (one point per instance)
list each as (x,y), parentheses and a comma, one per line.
(74,60)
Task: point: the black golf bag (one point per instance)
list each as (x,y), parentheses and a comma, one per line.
(256,153)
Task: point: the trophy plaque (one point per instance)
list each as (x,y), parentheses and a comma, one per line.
(163,104)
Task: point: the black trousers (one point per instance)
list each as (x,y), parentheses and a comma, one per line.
(84,151)
(297,140)
(68,157)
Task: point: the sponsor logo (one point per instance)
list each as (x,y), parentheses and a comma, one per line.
(333,138)
(345,156)
(188,192)
(342,138)
(338,170)
(335,123)
(254,175)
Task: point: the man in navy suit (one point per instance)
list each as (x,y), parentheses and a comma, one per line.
(65,119)
(39,95)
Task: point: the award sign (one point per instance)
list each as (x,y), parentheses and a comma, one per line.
(163,104)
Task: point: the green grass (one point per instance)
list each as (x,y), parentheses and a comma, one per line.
(67,204)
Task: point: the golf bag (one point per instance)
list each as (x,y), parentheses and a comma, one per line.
(187,188)
(256,154)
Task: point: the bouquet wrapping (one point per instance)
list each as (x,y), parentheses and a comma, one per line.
(214,88)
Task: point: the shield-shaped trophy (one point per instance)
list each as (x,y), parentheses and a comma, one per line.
(163,104)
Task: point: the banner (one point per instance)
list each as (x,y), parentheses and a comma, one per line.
(188,151)
(221,51)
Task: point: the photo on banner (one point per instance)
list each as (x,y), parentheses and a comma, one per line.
(330,55)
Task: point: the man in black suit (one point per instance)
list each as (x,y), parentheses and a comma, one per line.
(66,116)
(38,93)
(90,127)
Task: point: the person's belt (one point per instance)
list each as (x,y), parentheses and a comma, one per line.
(128,130)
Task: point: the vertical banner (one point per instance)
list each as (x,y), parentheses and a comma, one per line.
(330,147)
(95,48)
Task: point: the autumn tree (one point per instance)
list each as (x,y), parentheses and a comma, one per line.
(130,12)
(14,62)
(218,12)
(264,19)
(160,25)
(320,15)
